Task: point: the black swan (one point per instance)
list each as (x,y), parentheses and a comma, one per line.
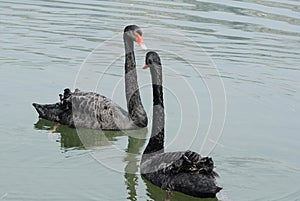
(185,172)
(94,111)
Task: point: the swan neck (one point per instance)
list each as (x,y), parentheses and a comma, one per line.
(135,108)
(156,142)
(128,43)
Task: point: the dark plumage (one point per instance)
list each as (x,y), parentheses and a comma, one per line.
(186,172)
(91,110)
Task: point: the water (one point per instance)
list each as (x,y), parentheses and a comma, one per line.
(254,44)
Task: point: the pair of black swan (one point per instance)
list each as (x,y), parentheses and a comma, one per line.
(90,110)
(185,172)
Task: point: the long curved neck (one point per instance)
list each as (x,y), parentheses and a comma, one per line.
(134,105)
(156,142)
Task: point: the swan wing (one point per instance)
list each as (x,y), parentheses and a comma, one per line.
(178,162)
(92,110)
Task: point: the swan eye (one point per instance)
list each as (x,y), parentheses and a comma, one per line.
(150,62)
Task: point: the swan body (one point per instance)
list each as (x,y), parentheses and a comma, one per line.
(175,171)
(187,172)
(88,110)
(94,111)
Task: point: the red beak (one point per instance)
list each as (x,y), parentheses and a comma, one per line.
(145,66)
(140,41)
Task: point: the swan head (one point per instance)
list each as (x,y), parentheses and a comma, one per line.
(134,33)
(152,60)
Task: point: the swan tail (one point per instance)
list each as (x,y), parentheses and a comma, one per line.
(50,112)
(58,112)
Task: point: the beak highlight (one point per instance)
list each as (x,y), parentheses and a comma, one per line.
(143,46)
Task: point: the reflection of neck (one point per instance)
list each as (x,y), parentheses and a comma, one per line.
(132,151)
(134,105)
(156,143)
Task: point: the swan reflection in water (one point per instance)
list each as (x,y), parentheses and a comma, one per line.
(157,194)
(71,139)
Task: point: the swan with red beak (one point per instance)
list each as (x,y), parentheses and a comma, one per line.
(91,110)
